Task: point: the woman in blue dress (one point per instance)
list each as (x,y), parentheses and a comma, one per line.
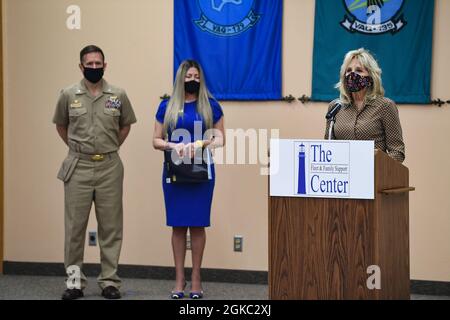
(191,109)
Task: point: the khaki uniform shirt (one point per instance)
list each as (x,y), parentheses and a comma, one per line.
(93,122)
(378,120)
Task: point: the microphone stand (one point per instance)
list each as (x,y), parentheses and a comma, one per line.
(331,115)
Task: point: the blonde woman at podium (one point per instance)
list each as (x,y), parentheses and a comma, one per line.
(362,112)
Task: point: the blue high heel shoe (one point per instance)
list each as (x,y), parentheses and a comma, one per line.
(196,295)
(178,294)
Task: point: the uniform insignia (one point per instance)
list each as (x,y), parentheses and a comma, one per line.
(76,104)
(113,103)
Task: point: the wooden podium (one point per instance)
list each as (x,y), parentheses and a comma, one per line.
(321,248)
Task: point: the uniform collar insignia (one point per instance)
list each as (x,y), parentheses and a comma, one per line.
(107,88)
(81,88)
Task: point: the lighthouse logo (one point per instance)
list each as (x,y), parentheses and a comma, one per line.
(301,185)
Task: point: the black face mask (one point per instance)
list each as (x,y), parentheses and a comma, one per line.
(192,87)
(93,75)
(356,83)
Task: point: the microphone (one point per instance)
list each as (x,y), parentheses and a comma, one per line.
(333,112)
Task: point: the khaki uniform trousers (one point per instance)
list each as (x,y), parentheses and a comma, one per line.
(100,182)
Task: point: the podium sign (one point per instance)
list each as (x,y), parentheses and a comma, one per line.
(322,168)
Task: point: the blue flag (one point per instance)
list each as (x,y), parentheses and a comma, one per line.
(397,32)
(237,42)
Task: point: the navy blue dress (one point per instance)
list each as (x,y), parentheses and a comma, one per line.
(189,205)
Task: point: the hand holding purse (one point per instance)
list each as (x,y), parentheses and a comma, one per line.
(185,169)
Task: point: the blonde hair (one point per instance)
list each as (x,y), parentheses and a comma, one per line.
(370,64)
(175,106)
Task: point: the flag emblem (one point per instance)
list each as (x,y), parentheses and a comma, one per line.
(373,16)
(226,17)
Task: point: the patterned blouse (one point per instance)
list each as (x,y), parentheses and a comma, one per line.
(378,121)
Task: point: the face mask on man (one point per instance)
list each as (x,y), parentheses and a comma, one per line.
(93,75)
(354,82)
(192,87)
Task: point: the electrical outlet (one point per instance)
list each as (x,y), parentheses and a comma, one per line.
(92,238)
(238,243)
(188,241)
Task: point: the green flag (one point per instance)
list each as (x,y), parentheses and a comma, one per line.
(397,32)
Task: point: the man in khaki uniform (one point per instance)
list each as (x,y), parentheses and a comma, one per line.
(93,118)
